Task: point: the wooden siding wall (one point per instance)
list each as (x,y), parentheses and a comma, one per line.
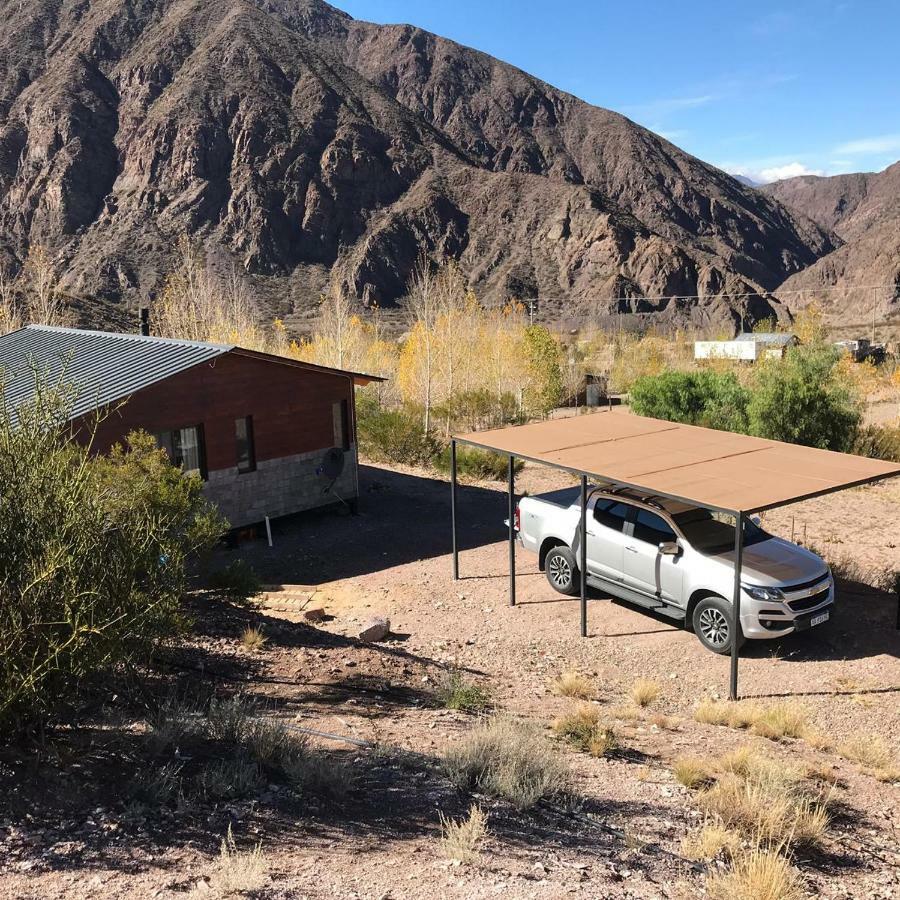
(292,408)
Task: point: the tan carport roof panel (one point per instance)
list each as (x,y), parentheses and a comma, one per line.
(700,465)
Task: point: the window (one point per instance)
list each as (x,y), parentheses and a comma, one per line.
(341,413)
(611,513)
(246,451)
(712,533)
(652,529)
(185,448)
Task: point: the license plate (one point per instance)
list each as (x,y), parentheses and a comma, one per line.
(819,619)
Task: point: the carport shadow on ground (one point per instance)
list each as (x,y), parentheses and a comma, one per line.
(402,518)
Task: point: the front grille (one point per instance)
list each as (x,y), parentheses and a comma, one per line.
(804,585)
(809,602)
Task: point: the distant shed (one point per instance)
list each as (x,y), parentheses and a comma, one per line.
(749,347)
(256,427)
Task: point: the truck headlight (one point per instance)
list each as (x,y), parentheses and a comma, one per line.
(763,593)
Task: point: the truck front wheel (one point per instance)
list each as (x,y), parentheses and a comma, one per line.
(562,571)
(713,624)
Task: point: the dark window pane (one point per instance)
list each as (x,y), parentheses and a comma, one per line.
(185,448)
(341,416)
(710,532)
(652,528)
(611,513)
(243,434)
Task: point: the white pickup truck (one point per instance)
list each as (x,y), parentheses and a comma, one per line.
(679,561)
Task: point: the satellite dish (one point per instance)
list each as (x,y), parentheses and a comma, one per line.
(332,464)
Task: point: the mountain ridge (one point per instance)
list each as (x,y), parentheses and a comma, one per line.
(303,145)
(863,210)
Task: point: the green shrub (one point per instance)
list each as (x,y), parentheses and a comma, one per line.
(455,692)
(237,581)
(878,442)
(394,435)
(802,400)
(476,463)
(94,553)
(544,384)
(712,399)
(477,409)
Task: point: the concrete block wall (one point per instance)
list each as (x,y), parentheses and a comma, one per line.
(279,487)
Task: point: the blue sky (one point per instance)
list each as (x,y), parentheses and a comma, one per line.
(764,89)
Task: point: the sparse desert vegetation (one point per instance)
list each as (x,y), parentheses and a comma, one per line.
(773,720)
(461,838)
(757,875)
(584,728)
(760,797)
(574,684)
(508,759)
(456,692)
(644,691)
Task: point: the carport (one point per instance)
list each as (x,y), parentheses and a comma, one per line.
(734,474)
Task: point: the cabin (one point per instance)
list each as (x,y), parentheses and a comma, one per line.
(269,435)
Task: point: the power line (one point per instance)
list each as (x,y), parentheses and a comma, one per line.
(731,296)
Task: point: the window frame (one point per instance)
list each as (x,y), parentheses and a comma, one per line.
(251,445)
(201,469)
(340,415)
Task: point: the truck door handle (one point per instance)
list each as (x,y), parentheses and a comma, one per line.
(592,534)
(631,549)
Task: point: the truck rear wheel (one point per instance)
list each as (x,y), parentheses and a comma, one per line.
(562,571)
(713,624)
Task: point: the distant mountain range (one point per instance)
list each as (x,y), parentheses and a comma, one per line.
(863,210)
(304,146)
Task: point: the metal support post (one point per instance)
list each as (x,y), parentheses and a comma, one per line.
(582,565)
(453,509)
(512,530)
(736,603)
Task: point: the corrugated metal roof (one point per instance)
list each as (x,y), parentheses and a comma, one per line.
(102,367)
(767,337)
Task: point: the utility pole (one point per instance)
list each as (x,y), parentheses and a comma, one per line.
(874,310)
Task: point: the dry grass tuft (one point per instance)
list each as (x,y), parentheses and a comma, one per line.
(583,728)
(253,638)
(873,755)
(604,740)
(711,712)
(711,841)
(460,839)
(508,759)
(692,772)
(822,772)
(239,872)
(766,810)
(759,797)
(774,721)
(573,684)
(644,691)
(756,875)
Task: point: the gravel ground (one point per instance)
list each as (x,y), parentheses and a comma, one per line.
(62,828)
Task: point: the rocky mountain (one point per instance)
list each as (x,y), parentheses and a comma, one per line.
(864,211)
(302,146)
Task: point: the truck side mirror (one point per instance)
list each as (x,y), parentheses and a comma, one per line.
(670,548)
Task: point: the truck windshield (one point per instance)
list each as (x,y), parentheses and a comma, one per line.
(709,532)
